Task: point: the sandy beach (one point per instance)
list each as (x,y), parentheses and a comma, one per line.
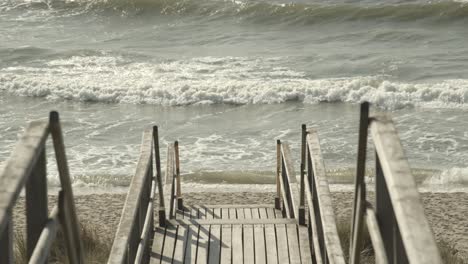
(446,211)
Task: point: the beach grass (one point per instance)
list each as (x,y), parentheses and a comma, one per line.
(448,253)
(96,247)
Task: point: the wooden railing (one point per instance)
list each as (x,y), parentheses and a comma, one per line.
(132,242)
(27,167)
(172,184)
(291,198)
(398,228)
(315,191)
(287,197)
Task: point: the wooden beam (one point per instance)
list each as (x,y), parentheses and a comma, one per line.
(291,175)
(36,203)
(162,207)
(231,221)
(19,167)
(360,187)
(180,203)
(375,236)
(41,251)
(169,182)
(6,242)
(130,210)
(415,230)
(214,206)
(75,247)
(332,241)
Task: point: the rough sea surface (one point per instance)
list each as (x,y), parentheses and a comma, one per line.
(227,78)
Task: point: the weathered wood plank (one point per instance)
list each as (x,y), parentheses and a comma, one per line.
(180,244)
(68,215)
(237,245)
(226,246)
(238,206)
(6,242)
(240,213)
(169,244)
(36,202)
(270,244)
(159,180)
(209,213)
(304,245)
(278,214)
(248,213)
(249,250)
(187,212)
(232,213)
(215,244)
(201,212)
(191,248)
(217,213)
(293,185)
(169,188)
(255,213)
(263,213)
(313,224)
(203,241)
(293,244)
(131,206)
(180,203)
(179,214)
(332,241)
(194,213)
(225,213)
(260,251)
(282,244)
(231,221)
(376,237)
(271,213)
(40,253)
(158,243)
(19,167)
(414,227)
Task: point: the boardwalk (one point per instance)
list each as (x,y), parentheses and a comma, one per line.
(299,226)
(231,234)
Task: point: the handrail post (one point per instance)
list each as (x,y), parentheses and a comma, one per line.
(278,173)
(36,202)
(162,210)
(75,251)
(360,191)
(6,241)
(180,203)
(303,157)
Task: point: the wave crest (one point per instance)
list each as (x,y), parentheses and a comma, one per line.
(209,80)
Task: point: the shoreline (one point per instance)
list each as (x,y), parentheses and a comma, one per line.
(445,211)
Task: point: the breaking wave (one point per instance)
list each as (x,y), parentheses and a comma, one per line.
(211,80)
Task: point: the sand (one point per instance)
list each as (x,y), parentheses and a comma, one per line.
(447,212)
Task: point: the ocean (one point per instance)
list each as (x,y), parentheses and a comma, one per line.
(228,77)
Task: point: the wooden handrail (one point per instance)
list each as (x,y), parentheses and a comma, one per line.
(136,227)
(26,167)
(321,215)
(172,185)
(399,230)
(395,176)
(137,210)
(287,182)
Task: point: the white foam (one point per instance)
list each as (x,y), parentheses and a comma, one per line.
(453,176)
(211,80)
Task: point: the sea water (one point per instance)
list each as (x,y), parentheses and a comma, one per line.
(228,78)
